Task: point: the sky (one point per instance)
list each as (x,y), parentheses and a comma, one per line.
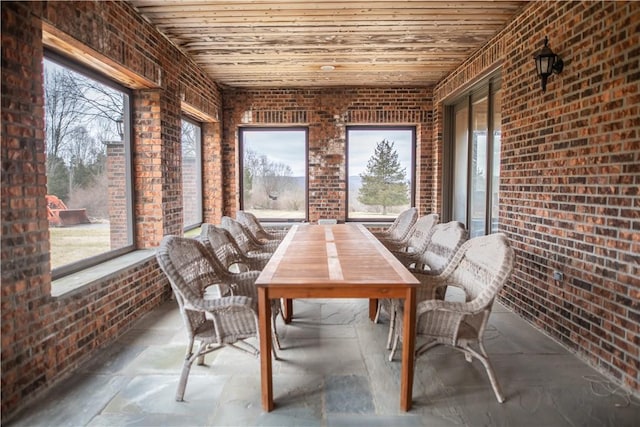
(288,147)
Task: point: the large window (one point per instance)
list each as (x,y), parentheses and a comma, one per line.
(475,158)
(191,173)
(380,171)
(88,166)
(273,168)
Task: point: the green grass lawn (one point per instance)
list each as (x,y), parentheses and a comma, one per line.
(70,244)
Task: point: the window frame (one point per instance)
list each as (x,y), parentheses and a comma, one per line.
(412,173)
(74,267)
(199,174)
(241,132)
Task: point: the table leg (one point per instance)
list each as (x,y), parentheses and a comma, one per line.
(266,379)
(373,308)
(288,310)
(408,348)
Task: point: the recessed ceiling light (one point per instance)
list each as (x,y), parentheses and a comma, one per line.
(327,68)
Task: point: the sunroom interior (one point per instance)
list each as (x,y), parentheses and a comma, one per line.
(191,101)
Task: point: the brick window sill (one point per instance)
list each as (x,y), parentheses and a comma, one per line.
(76,282)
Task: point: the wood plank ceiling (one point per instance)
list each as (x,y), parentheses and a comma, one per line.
(285,43)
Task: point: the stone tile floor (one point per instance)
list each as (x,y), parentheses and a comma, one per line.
(333,372)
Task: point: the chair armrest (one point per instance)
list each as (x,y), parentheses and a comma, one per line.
(429,277)
(244,283)
(463,308)
(221,304)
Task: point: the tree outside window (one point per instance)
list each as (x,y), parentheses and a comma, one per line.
(380,171)
(274,173)
(384,183)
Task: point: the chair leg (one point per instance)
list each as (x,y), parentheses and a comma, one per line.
(396,338)
(426,347)
(392,325)
(276,308)
(200,360)
(186,367)
(487,366)
(377,317)
(276,338)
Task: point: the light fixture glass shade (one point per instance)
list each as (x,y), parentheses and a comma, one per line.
(547,63)
(544,64)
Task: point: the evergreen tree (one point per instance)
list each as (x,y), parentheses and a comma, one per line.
(384,182)
(57,178)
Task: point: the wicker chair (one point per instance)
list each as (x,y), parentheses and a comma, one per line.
(245,240)
(443,241)
(212,321)
(433,255)
(418,238)
(396,236)
(480,268)
(228,251)
(252,224)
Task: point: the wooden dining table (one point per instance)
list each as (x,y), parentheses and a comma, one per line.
(335,261)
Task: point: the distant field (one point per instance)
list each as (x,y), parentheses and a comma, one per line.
(69,244)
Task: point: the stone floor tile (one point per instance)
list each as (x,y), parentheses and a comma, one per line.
(348,394)
(155,394)
(113,359)
(72,403)
(349,420)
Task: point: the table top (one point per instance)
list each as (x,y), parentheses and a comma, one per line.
(339,254)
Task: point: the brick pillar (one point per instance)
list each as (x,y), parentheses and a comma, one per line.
(157,171)
(117,193)
(189,189)
(212,170)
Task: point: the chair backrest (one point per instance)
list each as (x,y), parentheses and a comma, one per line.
(190,268)
(481,267)
(225,248)
(419,236)
(441,245)
(251,223)
(239,233)
(404,223)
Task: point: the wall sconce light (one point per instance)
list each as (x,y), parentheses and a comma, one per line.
(547,63)
(120,127)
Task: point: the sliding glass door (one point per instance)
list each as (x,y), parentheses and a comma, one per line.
(475,159)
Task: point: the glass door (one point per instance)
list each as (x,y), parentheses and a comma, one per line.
(473,192)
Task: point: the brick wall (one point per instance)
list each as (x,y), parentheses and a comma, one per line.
(327,113)
(44,338)
(569,198)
